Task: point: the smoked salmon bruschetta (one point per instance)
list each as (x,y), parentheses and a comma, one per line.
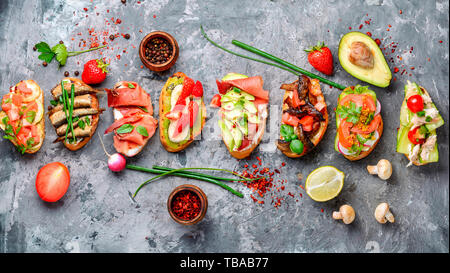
(358,122)
(304,118)
(419,119)
(243,112)
(182,112)
(74,112)
(134,123)
(22,116)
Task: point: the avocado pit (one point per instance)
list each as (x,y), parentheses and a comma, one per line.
(360,55)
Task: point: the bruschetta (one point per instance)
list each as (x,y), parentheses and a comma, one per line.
(22,116)
(304,118)
(358,122)
(182,112)
(75,118)
(243,112)
(419,119)
(134,123)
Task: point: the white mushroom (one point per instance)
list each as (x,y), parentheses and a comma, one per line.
(382,214)
(346,213)
(383,169)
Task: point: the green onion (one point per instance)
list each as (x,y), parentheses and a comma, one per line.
(287,64)
(201,174)
(72,94)
(176,172)
(63,95)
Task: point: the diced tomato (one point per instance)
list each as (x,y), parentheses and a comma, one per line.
(345,136)
(290,120)
(27,132)
(215,102)
(415,137)
(295,99)
(307,122)
(373,125)
(365,101)
(23,89)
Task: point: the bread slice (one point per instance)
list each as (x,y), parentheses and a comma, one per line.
(39,98)
(162,118)
(81,89)
(317,137)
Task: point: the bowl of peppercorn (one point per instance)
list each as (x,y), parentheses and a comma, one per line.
(187,204)
(158,51)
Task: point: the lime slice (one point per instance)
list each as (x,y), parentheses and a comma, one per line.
(324,183)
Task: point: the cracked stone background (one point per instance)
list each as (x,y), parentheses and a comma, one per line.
(97,215)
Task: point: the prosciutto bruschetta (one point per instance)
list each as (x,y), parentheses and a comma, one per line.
(419,119)
(76,117)
(243,112)
(22,116)
(358,121)
(182,112)
(134,123)
(304,117)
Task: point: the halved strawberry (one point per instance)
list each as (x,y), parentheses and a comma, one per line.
(188,85)
(197,91)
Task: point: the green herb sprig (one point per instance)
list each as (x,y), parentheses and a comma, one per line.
(352,113)
(59,52)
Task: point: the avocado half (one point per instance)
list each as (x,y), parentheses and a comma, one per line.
(379,75)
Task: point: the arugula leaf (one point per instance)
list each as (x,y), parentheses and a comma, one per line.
(54,102)
(142,130)
(61,53)
(124,129)
(421,113)
(88,121)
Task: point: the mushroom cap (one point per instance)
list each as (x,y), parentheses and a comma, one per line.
(381,211)
(384,169)
(346,213)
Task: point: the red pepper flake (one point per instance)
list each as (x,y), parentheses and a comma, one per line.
(186,205)
(428,59)
(85,9)
(387,29)
(395,79)
(254,166)
(301,195)
(396,69)
(378,41)
(283,164)
(440,42)
(389,26)
(350,28)
(401,12)
(404,70)
(360,26)
(412,68)
(118,57)
(246,166)
(302,187)
(369,34)
(322,210)
(118,21)
(154,15)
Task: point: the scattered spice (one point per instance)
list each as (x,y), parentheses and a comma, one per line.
(127,36)
(77,73)
(378,41)
(186,205)
(66,73)
(44,64)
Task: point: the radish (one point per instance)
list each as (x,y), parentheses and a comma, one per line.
(116,162)
(378,110)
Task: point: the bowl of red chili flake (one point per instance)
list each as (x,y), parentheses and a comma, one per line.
(187,204)
(158,51)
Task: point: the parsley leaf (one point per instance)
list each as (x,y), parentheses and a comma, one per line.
(61,53)
(352,113)
(30,116)
(130,85)
(81,124)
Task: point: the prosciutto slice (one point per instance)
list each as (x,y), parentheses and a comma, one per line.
(252,85)
(136,109)
(126,96)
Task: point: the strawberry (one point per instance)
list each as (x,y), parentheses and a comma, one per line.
(188,85)
(320,58)
(198,90)
(193,112)
(94,72)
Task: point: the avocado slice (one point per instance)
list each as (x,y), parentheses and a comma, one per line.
(227,137)
(233,76)
(378,73)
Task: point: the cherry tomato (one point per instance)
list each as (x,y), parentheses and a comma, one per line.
(345,135)
(215,102)
(307,122)
(415,137)
(52,181)
(415,103)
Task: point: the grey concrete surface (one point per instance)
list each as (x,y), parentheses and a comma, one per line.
(97,215)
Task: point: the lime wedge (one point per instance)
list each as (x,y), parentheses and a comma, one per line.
(324,183)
